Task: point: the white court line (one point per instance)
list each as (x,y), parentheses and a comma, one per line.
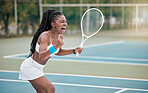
(115,58)
(101,44)
(80,85)
(85,61)
(121,90)
(107,43)
(82,76)
(90,57)
(98,62)
(14,56)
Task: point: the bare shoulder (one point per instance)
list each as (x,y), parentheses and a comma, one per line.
(44,37)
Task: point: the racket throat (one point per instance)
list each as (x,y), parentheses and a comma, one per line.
(84,38)
(81,45)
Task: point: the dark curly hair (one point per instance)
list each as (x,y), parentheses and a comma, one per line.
(48,17)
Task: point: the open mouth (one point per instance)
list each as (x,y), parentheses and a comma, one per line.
(63,28)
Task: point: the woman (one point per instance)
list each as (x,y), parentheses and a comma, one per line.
(46,42)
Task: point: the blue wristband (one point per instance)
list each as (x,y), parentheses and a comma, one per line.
(52,49)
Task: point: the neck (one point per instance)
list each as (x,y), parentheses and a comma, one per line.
(53,33)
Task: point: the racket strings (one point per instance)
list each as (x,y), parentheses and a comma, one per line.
(91,22)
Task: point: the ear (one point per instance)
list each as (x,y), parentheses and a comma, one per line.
(53,24)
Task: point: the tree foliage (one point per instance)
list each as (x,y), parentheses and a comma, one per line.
(29,18)
(28,14)
(6,10)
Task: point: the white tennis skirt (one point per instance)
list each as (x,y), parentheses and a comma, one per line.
(30,69)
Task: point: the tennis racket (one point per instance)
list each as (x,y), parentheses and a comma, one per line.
(91,23)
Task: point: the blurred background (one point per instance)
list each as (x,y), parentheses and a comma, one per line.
(22,17)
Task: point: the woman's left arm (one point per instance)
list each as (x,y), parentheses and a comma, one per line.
(63,52)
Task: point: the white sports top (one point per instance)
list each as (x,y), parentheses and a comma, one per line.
(37,48)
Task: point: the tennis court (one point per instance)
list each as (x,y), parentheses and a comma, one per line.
(108,64)
(115,60)
(65,83)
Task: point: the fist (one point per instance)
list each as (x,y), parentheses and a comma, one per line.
(60,42)
(78,50)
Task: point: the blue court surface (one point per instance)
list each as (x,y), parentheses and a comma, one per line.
(121,52)
(65,83)
(117,52)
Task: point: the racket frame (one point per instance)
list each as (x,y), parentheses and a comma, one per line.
(85,36)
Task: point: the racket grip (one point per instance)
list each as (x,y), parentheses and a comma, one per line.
(81,45)
(77,54)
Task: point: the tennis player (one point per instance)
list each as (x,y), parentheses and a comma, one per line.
(47,41)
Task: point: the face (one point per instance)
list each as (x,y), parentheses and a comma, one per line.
(60,24)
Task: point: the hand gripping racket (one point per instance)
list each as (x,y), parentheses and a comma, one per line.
(91,23)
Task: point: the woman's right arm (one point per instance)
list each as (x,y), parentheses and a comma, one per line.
(44,53)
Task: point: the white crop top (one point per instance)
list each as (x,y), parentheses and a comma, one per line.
(37,48)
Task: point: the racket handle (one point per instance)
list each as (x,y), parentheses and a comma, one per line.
(81,45)
(77,54)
